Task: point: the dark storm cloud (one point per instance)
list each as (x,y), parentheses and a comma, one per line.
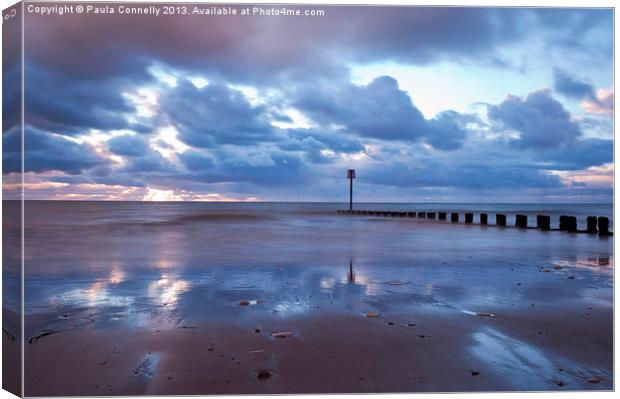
(109,179)
(151,162)
(132,146)
(45,152)
(541,121)
(283,170)
(573,87)
(312,142)
(581,154)
(278,169)
(64,105)
(379,110)
(224,46)
(568,85)
(196,161)
(11,96)
(215,115)
(461,175)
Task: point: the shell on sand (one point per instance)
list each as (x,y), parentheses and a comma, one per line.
(282,334)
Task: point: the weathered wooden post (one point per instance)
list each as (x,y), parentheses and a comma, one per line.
(351,276)
(351,176)
(430,215)
(571,224)
(469,218)
(484,218)
(543,222)
(592,225)
(500,219)
(563,222)
(454,217)
(521,221)
(441,215)
(422,215)
(411,214)
(603,226)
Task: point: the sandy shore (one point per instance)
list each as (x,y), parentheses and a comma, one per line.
(545,348)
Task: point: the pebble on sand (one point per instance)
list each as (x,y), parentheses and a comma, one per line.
(282,334)
(484,314)
(372,314)
(557,267)
(244,302)
(474,372)
(263,375)
(593,380)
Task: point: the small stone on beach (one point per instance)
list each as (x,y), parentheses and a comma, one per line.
(475,372)
(484,314)
(372,314)
(243,302)
(263,375)
(557,267)
(594,380)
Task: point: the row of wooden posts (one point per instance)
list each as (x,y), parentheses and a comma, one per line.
(595,224)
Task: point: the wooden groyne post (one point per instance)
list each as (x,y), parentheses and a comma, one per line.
(592,222)
(603,226)
(521,221)
(484,218)
(500,219)
(543,222)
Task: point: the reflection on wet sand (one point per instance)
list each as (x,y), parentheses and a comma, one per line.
(200,302)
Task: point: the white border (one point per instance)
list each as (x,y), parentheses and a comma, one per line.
(485,3)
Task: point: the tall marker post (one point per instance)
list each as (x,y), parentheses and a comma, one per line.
(351,176)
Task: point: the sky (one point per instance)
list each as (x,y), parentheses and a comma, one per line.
(427,104)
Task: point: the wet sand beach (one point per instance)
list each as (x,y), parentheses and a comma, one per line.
(166,299)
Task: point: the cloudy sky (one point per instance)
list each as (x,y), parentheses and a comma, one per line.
(427,104)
